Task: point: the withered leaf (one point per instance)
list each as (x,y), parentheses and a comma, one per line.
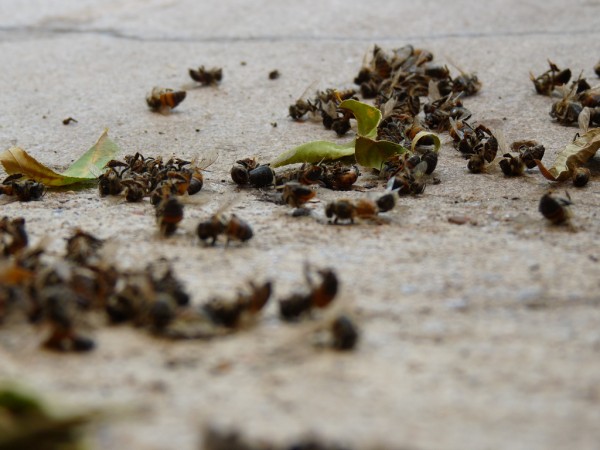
(86,168)
(575,154)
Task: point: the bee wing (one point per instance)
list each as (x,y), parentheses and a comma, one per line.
(584,119)
(502,146)
(206,160)
(311,87)
(434,92)
(388,107)
(420,169)
(456,66)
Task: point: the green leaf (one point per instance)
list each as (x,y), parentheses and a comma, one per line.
(314,152)
(373,154)
(94,160)
(367,117)
(86,168)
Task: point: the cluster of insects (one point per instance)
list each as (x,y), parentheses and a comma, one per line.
(163,100)
(61,294)
(578,103)
(216,438)
(163,182)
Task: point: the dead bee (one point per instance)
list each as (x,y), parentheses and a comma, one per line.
(546,82)
(13,236)
(529,151)
(109,183)
(345,209)
(302,106)
(240,170)
(207,76)
(410,176)
(135,191)
(296,194)
(512,165)
(164,99)
(261,176)
(581,176)
(245,307)
(306,174)
(169,212)
(567,110)
(339,177)
(82,246)
(58,303)
(24,190)
(555,209)
(526,154)
(197,167)
(467,83)
(320,295)
(344,332)
(233,228)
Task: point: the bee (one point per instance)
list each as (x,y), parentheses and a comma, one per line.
(467,83)
(82,246)
(24,190)
(581,176)
(512,165)
(407,173)
(346,209)
(207,76)
(109,183)
(197,167)
(567,110)
(344,332)
(13,235)
(296,194)
(555,209)
(233,228)
(245,307)
(261,176)
(303,105)
(58,304)
(441,109)
(135,191)
(306,174)
(529,151)
(546,82)
(340,178)
(319,295)
(240,170)
(436,71)
(169,212)
(164,99)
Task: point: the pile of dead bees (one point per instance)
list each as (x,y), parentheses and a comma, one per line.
(578,103)
(58,292)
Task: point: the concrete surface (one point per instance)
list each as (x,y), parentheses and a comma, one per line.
(474,336)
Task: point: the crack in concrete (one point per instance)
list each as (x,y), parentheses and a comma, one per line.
(41,32)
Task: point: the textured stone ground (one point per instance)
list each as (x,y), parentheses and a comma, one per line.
(483,335)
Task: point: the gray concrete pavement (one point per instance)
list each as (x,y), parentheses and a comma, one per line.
(483,336)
